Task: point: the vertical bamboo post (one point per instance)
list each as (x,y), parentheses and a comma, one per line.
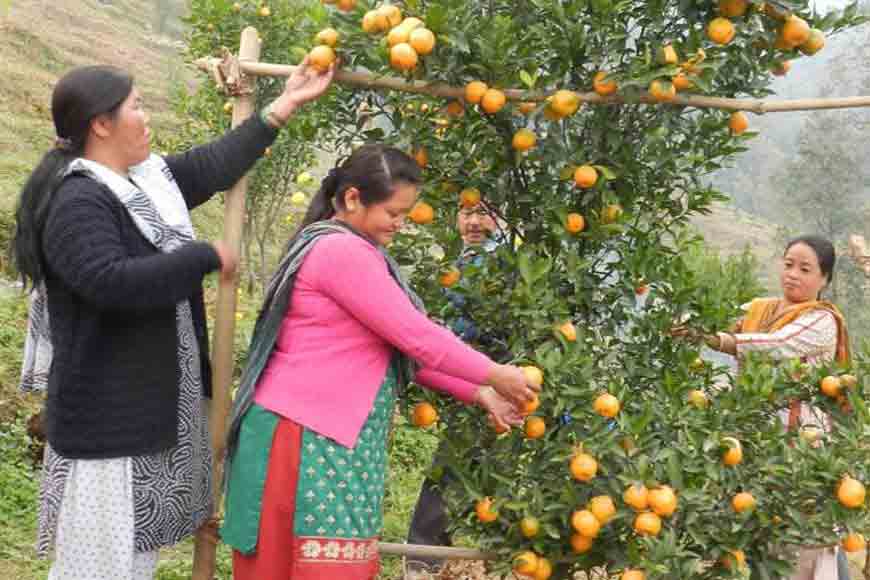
(225,320)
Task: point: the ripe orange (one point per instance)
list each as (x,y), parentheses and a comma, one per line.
(851,492)
(853,543)
(321,57)
(544,571)
(734,559)
(534,375)
(697,398)
(531,406)
(493,100)
(733,8)
(550,114)
(422,40)
(630,574)
(374,22)
(398,35)
(782,68)
(814,43)
(484,511)
(738,123)
(720,30)
(392,13)
(527,107)
(574,223)
(666,55)
(327,36)
(606,405)
(524,139)
(346,5)
(795,31)
(449,278)
(585,523)
(611,213)
(568,331)
(474,91)
(602,507)
(583,467)
(580,544)
(403,57)
(603,87)
(412,22)
(636,497)
(662,91)
(681,82)
(424,415)
(455,108)
(422,213)
(469,197)
(647,524)
(535,428)
(420,156)
(526,563)
(831,386)
(734,454)
(530,526)
(742,502)
(564,103)
(585,176)
(663,501)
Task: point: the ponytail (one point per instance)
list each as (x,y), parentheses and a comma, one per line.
(322,206)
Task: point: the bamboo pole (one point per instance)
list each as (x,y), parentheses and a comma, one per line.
(434,552)
(225,322)
(371,81)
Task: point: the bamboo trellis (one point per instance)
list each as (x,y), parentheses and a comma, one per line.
(236,75)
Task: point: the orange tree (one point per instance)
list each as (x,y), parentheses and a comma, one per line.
(641,459)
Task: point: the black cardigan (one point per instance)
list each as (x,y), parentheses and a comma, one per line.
(113,384)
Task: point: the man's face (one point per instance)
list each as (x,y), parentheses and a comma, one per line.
(475,224)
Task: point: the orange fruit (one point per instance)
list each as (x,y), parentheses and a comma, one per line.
(795,31)
(611,213)
(424,415)
(392,13)
(853,543)
(697,398)
(585,176)
(449,278)
(742,502)
(720,30)
(420,156)
(564,103)
(574,222)
(814,43)
(681,82)
(492,101)
(422,213)
(583,467)
(734,559)
(530,527)
(738,123)
(849,381)
(606,405)
(535,428)
(636,497)
(469,197)
(412,22)
(422,40)
(374,22)
(534,376)
(403,57)
(550,114)
(264,11)
(663,501)
(851,492)
(346,5)
(228,107)
(580,543)
(831,386)
(526,563)
(474,91)
(531,406)
(603,87)
(321,57)
(568,331)
(781,69)
(455,108)
(524,139)
(647,524)
(398,35)
(585,523)
(662,91)
(327,36)
(527,107)
(733,8)
(602,507)
(630,574)
(484,511)
(544,571)
(666,55)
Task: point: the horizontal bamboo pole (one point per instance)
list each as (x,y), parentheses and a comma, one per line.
(434,552)
(371,81)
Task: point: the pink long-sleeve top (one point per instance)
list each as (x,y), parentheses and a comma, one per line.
(346,315)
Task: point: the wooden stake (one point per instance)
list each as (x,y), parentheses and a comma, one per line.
(433,552)
(370,81)
(225,322)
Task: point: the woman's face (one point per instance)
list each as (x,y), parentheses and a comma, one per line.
(129,133)
(802,278)
(380,221)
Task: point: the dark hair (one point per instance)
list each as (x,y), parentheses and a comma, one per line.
(78,97)
(373,169)
(824,250)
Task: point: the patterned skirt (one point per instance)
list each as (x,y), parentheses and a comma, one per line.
(302,507)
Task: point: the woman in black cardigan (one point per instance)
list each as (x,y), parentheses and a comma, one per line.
(117,332)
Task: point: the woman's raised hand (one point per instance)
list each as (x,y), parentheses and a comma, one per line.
(511,383)
(303,85)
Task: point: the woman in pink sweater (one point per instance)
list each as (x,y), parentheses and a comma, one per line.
(340,335)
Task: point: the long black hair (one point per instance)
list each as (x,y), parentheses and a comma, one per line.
(373,169)
(78,97)
(824,251)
